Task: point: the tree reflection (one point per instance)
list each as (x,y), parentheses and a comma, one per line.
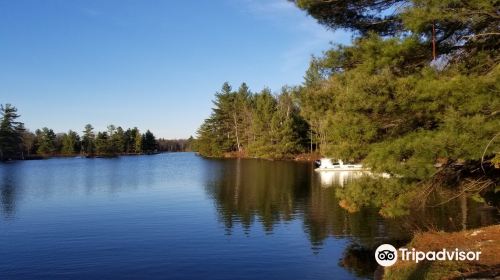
(8,190)
(359,260)
(324,218)
(269,192)
(249,190)
(8,193)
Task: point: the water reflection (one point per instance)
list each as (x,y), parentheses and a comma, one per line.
(337,178)
(252,192)
(359,260)
(54,179)
(9,193)
(169,213)
(246,191)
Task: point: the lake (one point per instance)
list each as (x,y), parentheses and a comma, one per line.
(180,216)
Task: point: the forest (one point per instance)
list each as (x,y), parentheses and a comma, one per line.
(16,142)
(254,124)
(415,95)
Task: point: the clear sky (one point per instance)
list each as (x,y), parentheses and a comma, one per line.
(154,64)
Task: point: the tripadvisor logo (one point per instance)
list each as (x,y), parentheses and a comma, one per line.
(387,255)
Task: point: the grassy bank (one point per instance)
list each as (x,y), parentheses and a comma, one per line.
(486,240)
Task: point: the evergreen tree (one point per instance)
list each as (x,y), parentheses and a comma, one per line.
(245,101)
(207,142)
(415,95)
(10,133)
(113,141)
(224,116)
(219,134)
(119,140)
(128,141)
(137,140)
(88,140)
(290,128)
(257,125)
(148,142)
(263,127)
(241,115)
(46,141)
(360,16)
(102,145)
(70,143)
(401,105)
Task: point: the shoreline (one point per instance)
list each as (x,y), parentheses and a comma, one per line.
(304,157)
(43,157)
(484,239)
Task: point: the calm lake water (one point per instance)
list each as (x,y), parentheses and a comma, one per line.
(179,216)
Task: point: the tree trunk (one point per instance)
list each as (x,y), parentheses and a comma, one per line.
(236,129)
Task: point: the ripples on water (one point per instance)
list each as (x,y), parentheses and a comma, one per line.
(179,216)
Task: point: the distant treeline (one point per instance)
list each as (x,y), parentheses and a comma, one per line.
(174,145)
(16,142)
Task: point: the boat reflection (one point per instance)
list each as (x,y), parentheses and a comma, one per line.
(338,178)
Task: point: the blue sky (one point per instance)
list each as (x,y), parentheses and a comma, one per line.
(152,64)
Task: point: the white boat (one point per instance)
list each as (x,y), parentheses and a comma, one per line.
(326,164)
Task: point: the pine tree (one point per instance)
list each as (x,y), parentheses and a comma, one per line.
(88,141)
(287,121)
(263,128)
(414,104)
(46,141)
(137,140)
(149,142)
(119,140)
(70,143)
(102,144)
(10,133)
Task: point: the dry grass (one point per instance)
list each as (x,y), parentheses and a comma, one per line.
(486,240)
